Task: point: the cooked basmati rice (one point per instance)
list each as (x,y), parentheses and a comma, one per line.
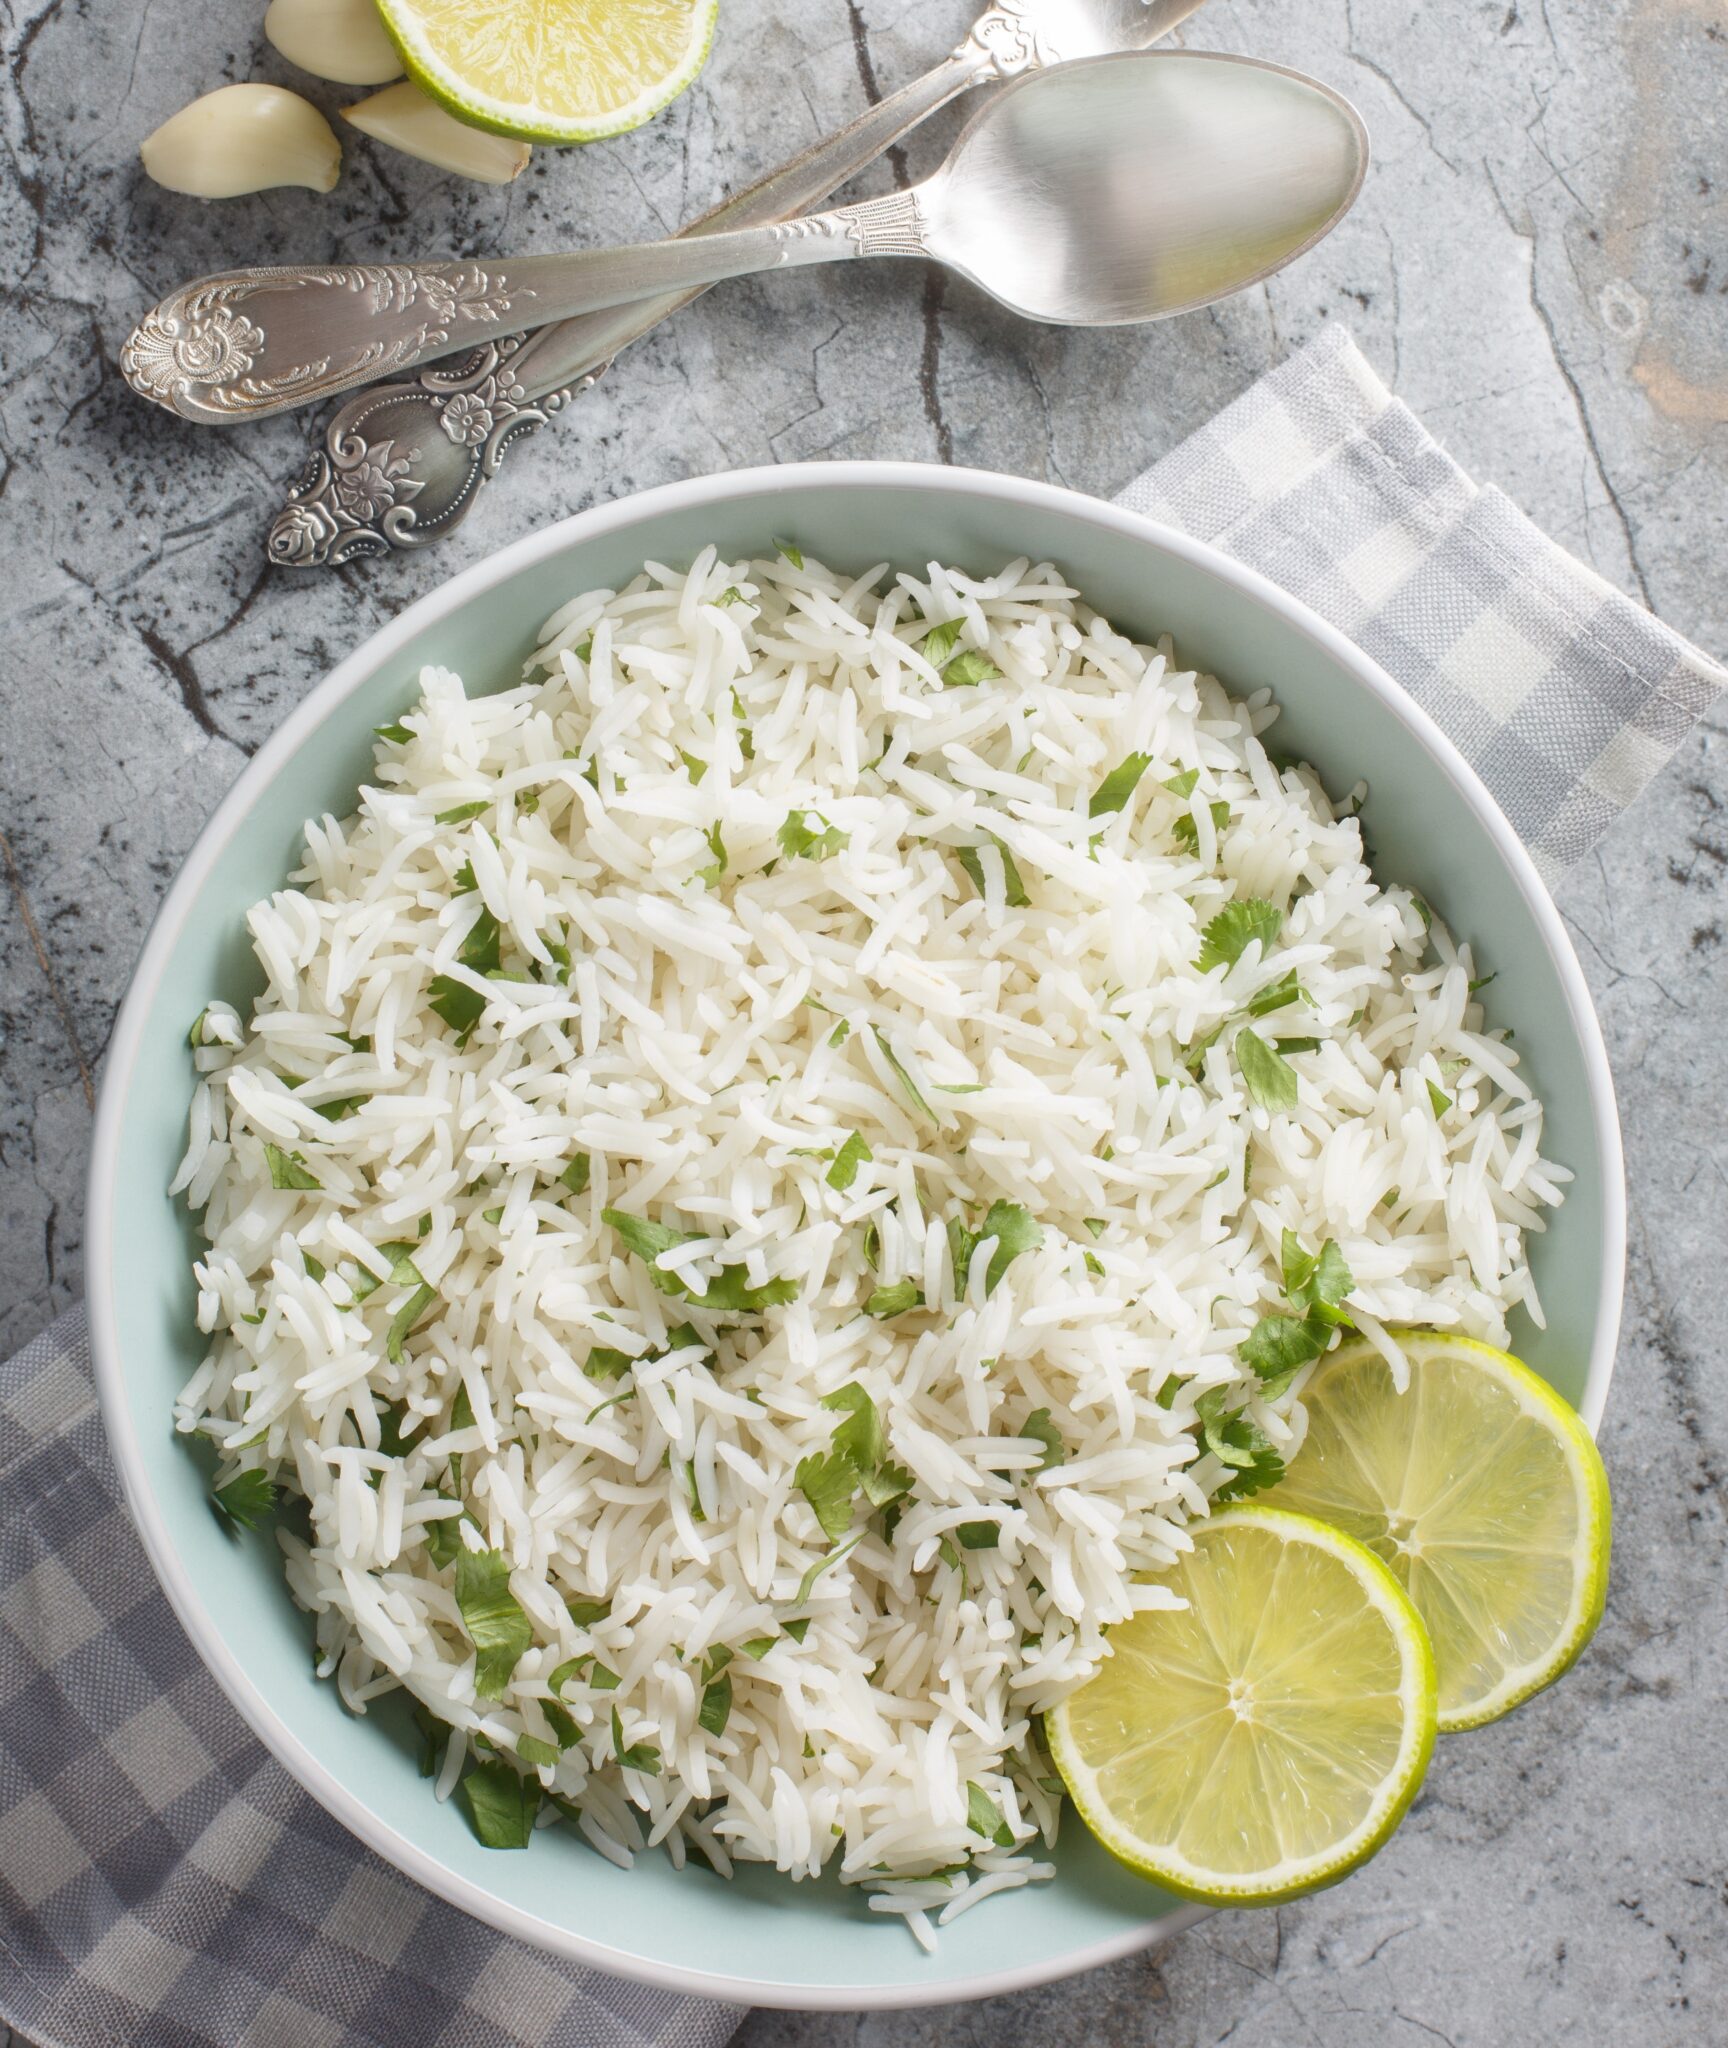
(759,857)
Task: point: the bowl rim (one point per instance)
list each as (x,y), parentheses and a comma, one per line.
(207,849)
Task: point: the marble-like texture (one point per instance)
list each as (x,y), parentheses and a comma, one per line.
(1539,263)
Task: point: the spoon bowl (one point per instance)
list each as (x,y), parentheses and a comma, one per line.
(1127,189)
(1109,190)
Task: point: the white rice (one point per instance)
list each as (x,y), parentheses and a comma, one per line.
(689,1052)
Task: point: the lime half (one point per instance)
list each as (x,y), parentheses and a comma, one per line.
(552,70)
(1267,1738)
(1483,1492)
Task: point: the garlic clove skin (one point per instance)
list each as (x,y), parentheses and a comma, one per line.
(406,119)
(343,40)
(243,138)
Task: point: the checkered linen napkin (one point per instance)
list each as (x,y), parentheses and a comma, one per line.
(1562,694)
(163,1882)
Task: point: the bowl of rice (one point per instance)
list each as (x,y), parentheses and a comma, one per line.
(684,1184)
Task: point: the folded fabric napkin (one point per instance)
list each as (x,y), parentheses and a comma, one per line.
(164,1883)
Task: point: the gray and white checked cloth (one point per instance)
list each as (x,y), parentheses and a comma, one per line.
(163,1882)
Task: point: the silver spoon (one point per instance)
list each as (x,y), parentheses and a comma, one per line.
(1105,192)
(402,464)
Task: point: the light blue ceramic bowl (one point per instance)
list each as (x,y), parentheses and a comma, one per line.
(762,1939)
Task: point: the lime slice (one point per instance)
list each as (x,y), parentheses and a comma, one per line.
(1483,1492)
(1268,1737)
(552,70)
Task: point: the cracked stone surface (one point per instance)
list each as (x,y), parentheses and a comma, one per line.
(1539,264)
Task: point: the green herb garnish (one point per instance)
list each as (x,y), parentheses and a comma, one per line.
(1234,929)
(286,1169)
(502,1804)
(460,1006)
(636,1756)
(1118,786)
(495,1619)
(970,666)
(462,812)
(799,839)
(847,1161)
(894,1300)
(1040,1429)
(1013,888)
(1267,1075)
(245,1500)
(984,1817)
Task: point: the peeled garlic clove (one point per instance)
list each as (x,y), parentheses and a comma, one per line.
(339,39)
(243,138)
(404,117)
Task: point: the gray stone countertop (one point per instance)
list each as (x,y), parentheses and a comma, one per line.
(1540,265)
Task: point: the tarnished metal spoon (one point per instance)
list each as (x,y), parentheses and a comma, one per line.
(1116,190)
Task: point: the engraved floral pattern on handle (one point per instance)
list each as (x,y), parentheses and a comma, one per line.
(199,357)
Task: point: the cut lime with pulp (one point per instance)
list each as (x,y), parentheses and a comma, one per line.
(1267,1738)
(1482,1491)
(552,70)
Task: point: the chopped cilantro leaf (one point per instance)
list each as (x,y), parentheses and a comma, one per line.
(984,1817)
(979,1535)
(850,1157)
(636,1756)
(900,1074)
(799,839)
(575,1175)
(710,872)
(460,1006)
(1118,786)
(1268,1076)
(479,950)
(1013,888)
(286,1170)
(405,1318)
(398,735)
(971,665)
(496,1622)
(1276,995)
(502,1804)
(938,643)
(1234,929)
(603,1363)
(793,554)
(716,1708)
(245,1500)
(828,1480)
(1438,1101)
(461,812)
(533,1751)
(585,1612)
(1040,1429)
(1187,834)
(894,1300)
(696,769)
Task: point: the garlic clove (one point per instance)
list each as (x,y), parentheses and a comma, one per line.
(342,40)
(406,119)
(243,138)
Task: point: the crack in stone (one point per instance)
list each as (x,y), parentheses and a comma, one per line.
(63,1009)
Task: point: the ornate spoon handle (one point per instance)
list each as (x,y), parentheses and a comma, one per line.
(305,334)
